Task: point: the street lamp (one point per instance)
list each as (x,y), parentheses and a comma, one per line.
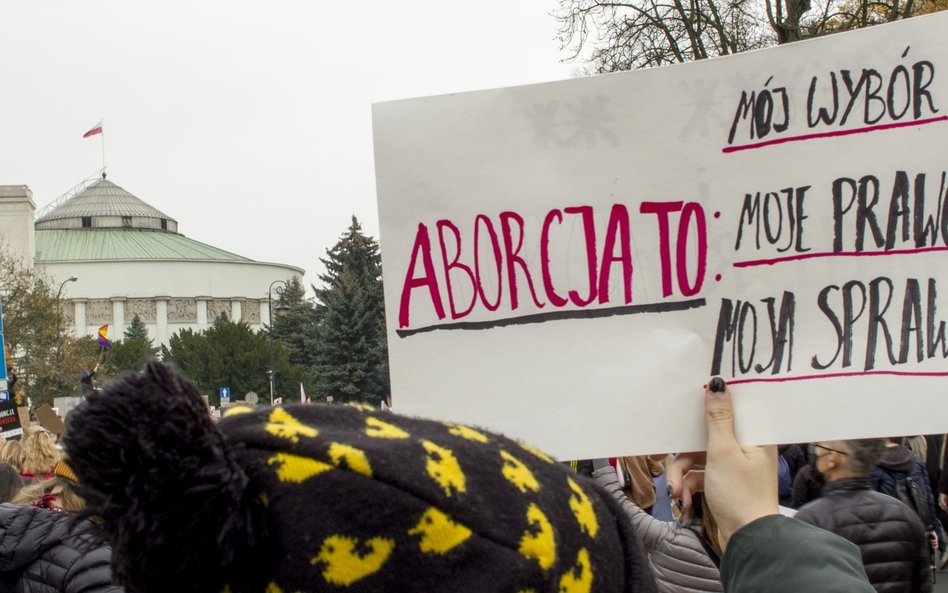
(59,329)
(281,308)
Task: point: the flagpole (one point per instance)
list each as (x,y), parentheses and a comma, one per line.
(103,145)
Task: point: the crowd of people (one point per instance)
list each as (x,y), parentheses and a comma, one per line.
(147,492)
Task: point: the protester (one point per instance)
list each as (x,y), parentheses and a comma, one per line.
(307,498)
(684,555)
(635,474)
(12,454)
(763,550)
(10,482)
(890,536)
(897,463)
(58,493)
(807,485)
(40,454)
(47,552)
(791,460)
(86,380)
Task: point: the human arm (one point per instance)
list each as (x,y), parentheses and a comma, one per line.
(779,555)
(765,551)
(651,532)
(740,481)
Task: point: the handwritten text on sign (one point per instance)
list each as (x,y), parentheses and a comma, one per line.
(616,242)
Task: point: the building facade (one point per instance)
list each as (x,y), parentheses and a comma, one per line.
(128,258)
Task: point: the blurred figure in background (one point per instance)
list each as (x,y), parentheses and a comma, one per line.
(12,454)
(10,482)
(685,554)
(890,536)
(58,493)
(46,552)
(40,454)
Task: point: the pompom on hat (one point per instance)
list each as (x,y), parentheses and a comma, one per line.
(334,498)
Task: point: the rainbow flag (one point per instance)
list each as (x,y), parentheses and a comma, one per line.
(104,340)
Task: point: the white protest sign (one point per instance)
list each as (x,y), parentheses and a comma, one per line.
(568,263)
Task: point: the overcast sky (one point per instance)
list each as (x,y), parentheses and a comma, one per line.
(248,122)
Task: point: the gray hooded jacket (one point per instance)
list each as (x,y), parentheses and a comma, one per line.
(676,555)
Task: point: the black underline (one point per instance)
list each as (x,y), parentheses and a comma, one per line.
(557,315)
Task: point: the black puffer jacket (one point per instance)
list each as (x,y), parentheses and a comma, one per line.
(890,535)
(40,554)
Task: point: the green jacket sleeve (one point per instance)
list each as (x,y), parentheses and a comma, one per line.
(778,554)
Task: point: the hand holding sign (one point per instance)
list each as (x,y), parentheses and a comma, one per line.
(740,481)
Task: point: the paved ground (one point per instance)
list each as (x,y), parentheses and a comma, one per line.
(941,584)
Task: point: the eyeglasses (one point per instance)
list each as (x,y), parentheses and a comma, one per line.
(812,447)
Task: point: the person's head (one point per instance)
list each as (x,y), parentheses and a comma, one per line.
(56,493)
(59,493)
(846,459)
(324,498)
(11,453)
(40,453)
(10,482)
(700,513)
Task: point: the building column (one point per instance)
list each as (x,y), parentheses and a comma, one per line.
(201,312)
(118,318)
(235,310)
(161,319)
(79,317)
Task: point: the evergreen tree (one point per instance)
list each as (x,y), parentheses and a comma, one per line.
(134,351)
(296,327)
(229,354)
(42,352)
(352,352)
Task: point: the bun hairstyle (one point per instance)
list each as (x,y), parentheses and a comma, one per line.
(153,467)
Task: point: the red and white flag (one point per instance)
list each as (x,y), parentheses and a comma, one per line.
(95,130)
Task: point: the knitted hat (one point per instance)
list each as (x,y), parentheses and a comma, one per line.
(318,498)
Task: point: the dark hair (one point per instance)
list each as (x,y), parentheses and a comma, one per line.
(864,454)
(148,456)
(10,482)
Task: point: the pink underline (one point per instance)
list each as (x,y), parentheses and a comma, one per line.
(799,256)
(904,124)
(836,376)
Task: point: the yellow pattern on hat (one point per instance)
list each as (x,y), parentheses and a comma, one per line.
(383,430)
(344,565)
(536,452)
(439,533)
(466,432)
(580,578)
(539,542)
(582,509)
(518,474)
(443,467)
(296,469)
(284,425)
(235,410)
(355,458)
(273,588)
(361,406)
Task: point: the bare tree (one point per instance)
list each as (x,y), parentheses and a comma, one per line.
(630,34)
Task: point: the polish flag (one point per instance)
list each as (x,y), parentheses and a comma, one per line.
(96,130)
